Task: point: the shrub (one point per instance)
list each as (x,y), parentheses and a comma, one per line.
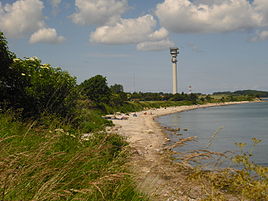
(39,88)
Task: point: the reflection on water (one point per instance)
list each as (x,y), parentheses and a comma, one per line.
(219,128)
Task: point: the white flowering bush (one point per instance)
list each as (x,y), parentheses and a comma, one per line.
(39,88)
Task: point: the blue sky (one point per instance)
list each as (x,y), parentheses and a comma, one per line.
(223,43)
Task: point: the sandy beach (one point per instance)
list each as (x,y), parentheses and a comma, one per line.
(156,174)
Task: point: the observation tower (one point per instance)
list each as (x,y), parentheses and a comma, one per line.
(174,51)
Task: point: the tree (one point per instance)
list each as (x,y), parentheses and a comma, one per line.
(6,59)
(208,98)
(96,89)
(179,97)
(193,97)
(116,88)
(118,95)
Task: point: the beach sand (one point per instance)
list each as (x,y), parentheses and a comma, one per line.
(155,172)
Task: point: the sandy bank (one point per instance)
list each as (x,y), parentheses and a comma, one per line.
(156,174)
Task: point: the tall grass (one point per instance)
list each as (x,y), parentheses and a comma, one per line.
(135,106)
(248,183)
(44,163)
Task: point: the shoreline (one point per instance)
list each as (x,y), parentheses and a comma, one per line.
(152,165)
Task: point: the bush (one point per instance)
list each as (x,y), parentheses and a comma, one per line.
(39,88)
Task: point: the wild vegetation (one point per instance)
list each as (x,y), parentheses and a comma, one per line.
(254,93)
(56,163)
(52,140)
(52,143)
(249,182)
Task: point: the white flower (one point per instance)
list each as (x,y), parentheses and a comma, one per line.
(16,59)
(32,58)
(45,66)
(60,130)
(23,74)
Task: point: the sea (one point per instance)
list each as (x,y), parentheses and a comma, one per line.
(223,129)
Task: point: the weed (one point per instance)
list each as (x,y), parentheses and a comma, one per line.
(248,183)
(55,164)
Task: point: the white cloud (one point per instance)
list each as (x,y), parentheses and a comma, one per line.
(21,17)
(260,36)
(140,31)
(261,6)
(55,3)
(159,34)
(98,12)
(126,31)
(46,35)
(185,16)
(155,45)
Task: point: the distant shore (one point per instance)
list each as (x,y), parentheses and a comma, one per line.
(147,141)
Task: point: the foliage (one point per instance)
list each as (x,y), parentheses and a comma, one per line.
(116,88)
(96,89)
(56,164)
(36,88)
(182,97)
(39,88)
(248,183)
(253,93)
(135,106)
(6,59)
(88,119)
(118,97)
(195,98)
(149,96)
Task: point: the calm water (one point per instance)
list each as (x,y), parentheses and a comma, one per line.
(233,123)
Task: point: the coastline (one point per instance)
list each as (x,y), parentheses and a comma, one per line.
(151,163)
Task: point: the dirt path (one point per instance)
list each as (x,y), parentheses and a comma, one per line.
(156,174)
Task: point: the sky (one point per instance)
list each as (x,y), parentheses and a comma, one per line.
(223,44)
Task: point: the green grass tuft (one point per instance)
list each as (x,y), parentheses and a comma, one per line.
(55,164)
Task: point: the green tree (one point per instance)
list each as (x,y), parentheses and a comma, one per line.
(179,97)
(6,59)
(117,88)
(208,98)
(118,95)
(96,89)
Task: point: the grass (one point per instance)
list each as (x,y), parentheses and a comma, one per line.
(48,160)
(135,106)
(249,183)
(55,164)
